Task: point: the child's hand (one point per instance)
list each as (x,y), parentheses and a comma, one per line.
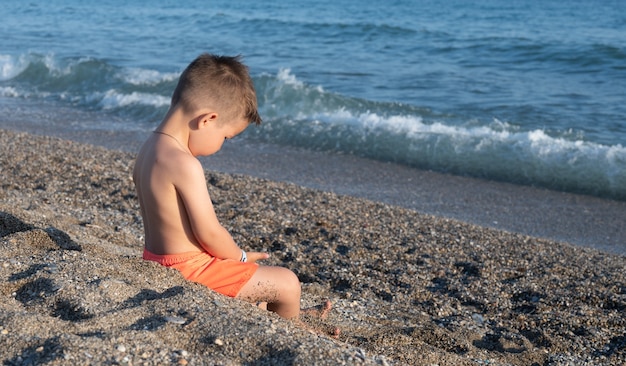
(256,256)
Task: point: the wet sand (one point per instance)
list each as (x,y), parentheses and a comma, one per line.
(407,287)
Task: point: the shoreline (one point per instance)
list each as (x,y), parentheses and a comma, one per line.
(407,287)
(577,219)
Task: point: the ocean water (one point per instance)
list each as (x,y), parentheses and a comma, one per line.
(527,92)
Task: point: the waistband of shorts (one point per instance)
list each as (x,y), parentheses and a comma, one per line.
(170,259)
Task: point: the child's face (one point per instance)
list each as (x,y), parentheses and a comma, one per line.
(213,135)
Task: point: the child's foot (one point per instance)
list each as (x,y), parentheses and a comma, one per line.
(320,312)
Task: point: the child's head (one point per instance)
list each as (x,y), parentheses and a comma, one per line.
(218,82)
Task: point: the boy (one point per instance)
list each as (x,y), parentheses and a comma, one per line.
(213,101)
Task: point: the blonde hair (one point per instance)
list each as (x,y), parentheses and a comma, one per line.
(221,82)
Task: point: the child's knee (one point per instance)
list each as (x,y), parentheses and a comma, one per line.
(291,281)
(289,286)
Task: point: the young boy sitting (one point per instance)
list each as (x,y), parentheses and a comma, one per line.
(214,100)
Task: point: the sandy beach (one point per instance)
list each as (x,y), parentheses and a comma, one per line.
(407,288)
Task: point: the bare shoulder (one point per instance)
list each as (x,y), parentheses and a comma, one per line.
(185,165)
(158,159)
(180,167)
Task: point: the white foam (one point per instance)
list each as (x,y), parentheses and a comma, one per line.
(58,68)
(139,76)
(285,76)
(11,66)
(408,126)
(9,92)
(114,99)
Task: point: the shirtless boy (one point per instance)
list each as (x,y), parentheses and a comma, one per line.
(214,100)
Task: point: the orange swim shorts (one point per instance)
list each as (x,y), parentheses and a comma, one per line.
(226,276)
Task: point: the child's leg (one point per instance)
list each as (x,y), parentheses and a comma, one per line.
(277,286)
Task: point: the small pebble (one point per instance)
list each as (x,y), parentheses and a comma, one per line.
(478,319)
(52,268)
(175,319)
(219,342)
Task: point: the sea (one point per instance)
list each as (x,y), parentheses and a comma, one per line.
(531,93)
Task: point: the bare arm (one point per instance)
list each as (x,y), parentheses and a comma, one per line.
(190,184)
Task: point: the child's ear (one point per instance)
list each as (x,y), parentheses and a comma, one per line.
(206,119)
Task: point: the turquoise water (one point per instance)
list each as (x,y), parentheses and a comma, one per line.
(526,92)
